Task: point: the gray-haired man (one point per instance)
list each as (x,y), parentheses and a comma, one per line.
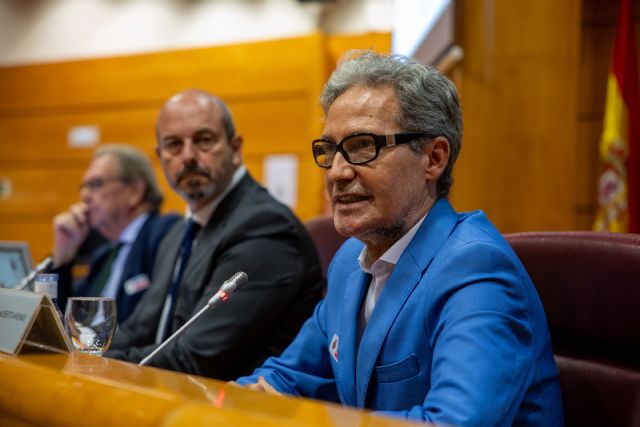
(120,198)
(429,314)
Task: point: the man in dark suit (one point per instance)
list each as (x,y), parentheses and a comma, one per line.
(242,228)
(119,198)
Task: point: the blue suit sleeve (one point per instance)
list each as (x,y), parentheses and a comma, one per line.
(304,368)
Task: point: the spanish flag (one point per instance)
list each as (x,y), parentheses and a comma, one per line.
(619,183)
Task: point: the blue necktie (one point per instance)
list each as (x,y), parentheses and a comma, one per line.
(190,232)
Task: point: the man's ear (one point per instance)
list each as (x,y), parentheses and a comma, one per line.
(137,195)
(436,155)
(236,146)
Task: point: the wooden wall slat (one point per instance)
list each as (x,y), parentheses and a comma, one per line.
(250,70)
(40,190)
(281,126)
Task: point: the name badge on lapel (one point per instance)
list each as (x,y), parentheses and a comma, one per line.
(333,347)
(136,284)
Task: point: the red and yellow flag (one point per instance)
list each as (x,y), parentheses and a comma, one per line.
(618,187)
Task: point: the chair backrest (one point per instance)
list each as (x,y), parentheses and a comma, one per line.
(325,237)
(589,284)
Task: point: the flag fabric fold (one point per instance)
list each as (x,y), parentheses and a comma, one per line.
(619,182)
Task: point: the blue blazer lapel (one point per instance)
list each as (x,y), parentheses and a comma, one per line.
(404,278)
(406,275)
(355,286)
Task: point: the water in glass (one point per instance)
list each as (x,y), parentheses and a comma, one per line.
(91,322)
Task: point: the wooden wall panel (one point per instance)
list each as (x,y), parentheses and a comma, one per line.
(249,70)
(339,44)
(44,137)
(519,96)
(40,189)
(272,89)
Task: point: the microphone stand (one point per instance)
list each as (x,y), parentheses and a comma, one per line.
(43,266)
(227,288)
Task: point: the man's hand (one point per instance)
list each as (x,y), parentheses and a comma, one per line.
(262,386)
(70,229)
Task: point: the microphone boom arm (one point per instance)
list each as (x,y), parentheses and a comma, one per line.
(227,288)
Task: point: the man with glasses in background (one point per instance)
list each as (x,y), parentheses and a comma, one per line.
(232,224)
(429,314)
(119,198)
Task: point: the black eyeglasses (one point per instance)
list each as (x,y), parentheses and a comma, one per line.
(97,183)
(358,149)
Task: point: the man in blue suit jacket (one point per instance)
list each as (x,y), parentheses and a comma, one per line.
(119,198)
(429,314)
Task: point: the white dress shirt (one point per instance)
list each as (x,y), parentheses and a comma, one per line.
(380,271)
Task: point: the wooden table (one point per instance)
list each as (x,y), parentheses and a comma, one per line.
(79,390)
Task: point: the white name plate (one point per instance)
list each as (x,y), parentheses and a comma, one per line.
(29,321)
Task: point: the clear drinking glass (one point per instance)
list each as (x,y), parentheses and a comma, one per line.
(91,322)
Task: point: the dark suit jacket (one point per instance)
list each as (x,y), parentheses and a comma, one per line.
(249,231)
(138,266)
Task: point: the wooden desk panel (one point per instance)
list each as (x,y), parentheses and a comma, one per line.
(78,390)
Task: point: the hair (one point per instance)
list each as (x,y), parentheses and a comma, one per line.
(134,165)
(227,118)
(428,101)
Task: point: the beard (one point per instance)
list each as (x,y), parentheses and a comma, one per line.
(202,183)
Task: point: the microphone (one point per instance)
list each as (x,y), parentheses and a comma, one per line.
(44,265)
(227,288)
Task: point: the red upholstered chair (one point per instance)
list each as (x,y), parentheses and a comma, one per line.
(589,284)
(325,237)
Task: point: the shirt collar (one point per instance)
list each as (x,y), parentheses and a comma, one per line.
(130,233)
(203,214)
(392,255)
